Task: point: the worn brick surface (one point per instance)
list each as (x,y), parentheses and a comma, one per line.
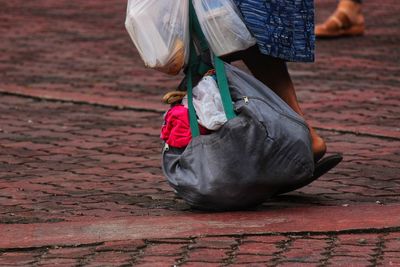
(68,46)
(325,250)
(75,47)
(65,161)
(354,83)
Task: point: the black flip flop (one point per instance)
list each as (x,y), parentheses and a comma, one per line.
(326,164)
(321,167)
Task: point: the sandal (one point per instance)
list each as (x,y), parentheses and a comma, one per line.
(347,20)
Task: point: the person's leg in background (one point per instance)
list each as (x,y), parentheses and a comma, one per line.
(346,20)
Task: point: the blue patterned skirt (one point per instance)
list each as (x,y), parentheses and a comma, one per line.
(283,28)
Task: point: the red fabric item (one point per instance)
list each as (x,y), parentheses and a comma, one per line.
(176,129)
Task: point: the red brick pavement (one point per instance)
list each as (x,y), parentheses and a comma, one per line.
(368,249)
(90,152)
(72,47)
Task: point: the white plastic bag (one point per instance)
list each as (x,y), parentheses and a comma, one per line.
(223,26)
(208,104)
(160,31)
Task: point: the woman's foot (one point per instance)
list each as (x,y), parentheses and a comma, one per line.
(318,145)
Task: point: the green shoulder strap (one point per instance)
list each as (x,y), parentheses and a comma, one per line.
(224,88)
(197,66)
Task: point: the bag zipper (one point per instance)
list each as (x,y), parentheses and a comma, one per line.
(246,100)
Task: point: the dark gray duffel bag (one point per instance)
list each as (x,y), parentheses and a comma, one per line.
(265,148)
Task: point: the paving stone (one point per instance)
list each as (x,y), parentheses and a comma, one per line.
(57,262)
(164,249)
(257,248)
(354,250)
(293,264)
(349,261)
(214,243)
(199,264)
(249,264)
(166,260)
(252,259)
(18,258)
(127,245)
(266,239)
(151,264)
(207,255)
(68,253)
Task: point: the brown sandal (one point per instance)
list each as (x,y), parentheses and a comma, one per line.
(347,20)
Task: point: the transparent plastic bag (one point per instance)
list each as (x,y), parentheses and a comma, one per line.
(208,104)
(223,26)
(160,32)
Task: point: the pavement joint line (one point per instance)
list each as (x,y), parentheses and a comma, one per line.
(385,230)
(27,249)
(378,252)
(81,102)
(159,111)
(357,133)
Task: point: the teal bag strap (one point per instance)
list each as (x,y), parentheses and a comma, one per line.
(194,126)
(224,88)
(197,66)
(193,61)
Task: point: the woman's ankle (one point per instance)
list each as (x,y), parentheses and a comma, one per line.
(318,148)
(318,144)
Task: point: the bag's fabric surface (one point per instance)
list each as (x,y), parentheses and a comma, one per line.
(266,147)
(283,29)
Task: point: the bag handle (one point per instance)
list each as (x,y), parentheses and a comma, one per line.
(196,65)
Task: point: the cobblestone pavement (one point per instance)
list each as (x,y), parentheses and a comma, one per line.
(244,250)
(79,143)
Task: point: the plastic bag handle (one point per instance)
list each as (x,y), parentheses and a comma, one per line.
(195,64)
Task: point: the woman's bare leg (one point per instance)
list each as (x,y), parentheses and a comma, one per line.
(273,73)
